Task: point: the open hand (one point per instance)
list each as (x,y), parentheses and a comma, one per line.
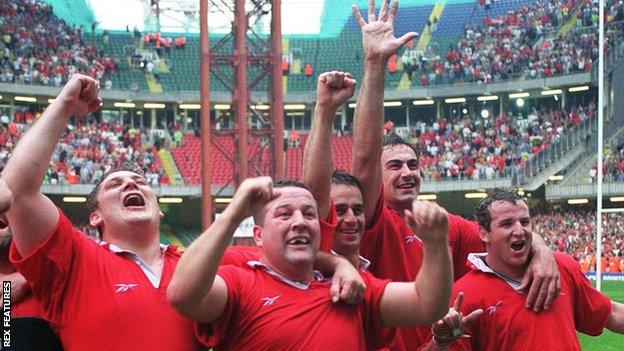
(378,37)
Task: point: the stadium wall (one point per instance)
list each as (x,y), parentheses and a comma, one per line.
(309,97)
(606,276)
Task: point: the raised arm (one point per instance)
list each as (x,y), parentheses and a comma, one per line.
(542,277)
(32,215)
(616,319)
(379,44)
(196,290)
(332,91)
(425,300)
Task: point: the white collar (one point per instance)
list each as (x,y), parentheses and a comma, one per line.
(318,276)
(363,262)
(478,261)
(151,275)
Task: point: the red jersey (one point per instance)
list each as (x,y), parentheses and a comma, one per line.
(27,307)
(396,253)
(99,299)
(508,325)
(266,311)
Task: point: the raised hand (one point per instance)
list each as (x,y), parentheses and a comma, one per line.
(80,95)
(428,220)
(453,324)
(334,88)
(252,195)
(378,37)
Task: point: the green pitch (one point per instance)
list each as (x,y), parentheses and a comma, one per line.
(607,341)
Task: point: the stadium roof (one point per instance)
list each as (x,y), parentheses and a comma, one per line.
(299,17)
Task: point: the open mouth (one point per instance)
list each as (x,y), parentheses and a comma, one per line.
(133,200)
(518,246)
(300,240)
(407,185)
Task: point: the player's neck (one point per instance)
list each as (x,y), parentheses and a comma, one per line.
(147,246)
(509,272)
(302,275)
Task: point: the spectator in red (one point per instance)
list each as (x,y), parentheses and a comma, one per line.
(308,70)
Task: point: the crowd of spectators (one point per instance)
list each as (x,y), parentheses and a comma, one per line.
(483,149)
(38,47)
(572,230)
(613,164)
(88,150)
(524,43)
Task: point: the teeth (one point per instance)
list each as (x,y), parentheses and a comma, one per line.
(298,241)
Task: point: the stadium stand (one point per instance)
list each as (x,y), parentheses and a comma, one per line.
(507,40)
(571,230)
(39,48)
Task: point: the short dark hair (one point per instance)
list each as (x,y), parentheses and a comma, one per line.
(280,183)
(283,183)
(392,139)
(482,211)
(344,178)
(92,201)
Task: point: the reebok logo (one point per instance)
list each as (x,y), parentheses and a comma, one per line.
(124,287)
(490,310)
(409,239)
(268,301)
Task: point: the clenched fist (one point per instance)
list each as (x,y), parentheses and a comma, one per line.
(428,220)
(334,89)
(252,195)
(80,96)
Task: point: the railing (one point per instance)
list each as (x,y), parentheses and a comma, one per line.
(538,162)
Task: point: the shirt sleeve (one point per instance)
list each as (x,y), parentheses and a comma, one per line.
(48,267)
(377,335)
(591,308)
(464,239)
(240,255)
(328,227)
(212,334)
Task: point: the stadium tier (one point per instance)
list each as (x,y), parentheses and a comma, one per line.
(508,40)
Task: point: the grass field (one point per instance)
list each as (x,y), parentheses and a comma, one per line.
(607,341)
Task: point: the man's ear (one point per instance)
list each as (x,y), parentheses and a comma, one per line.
(484,235)
(257,235)
(95,219)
